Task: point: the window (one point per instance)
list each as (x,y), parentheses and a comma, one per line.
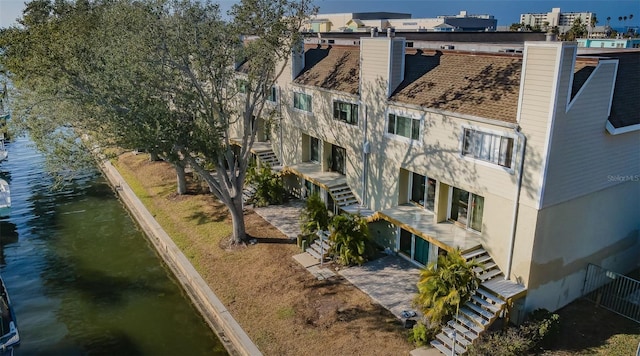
(423,191)
(466,209)
(271,95)
(404,126)
(314,152)
(488,147)
(302,101)
(345,112)
(242,86)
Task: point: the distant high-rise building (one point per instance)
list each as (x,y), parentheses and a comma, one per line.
(555,18)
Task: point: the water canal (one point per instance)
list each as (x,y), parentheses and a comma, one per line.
(81,275)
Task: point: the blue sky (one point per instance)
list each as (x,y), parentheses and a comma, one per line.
(506,11)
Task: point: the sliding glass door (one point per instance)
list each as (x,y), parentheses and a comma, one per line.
(414,247)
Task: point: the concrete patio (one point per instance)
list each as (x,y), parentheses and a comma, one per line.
(389,281)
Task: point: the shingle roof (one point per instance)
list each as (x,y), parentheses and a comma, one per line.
(625,109)
(480,85)
(332,67)
(581,72)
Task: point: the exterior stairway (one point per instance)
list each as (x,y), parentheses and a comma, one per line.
(247,193)
(269,158)
(342,195)
(476,315)
(319,249)
(344,198)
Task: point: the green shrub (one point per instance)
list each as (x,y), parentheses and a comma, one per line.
(269,186)
(518,340)
(421,335)
(351,240)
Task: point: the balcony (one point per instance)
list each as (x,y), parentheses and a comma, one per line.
(422,223)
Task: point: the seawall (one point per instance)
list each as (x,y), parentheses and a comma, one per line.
(213,311)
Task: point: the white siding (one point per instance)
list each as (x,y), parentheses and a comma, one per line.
(537,95)
(397,64)
(584,158)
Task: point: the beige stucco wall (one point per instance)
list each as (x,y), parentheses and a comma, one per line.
(437,155)
(600,228)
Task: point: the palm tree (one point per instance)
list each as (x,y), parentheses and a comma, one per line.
(350,237)
(444,286)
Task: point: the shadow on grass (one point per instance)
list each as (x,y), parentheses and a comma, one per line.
(273,240)
(583,325)
(201,218)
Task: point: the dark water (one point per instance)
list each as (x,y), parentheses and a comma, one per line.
(81,276)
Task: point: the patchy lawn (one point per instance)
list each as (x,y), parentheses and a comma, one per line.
(283,308)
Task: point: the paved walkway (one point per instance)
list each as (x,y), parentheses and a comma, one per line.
(285,217)
(390,281)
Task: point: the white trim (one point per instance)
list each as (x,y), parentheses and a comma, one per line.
(389,56)
(347,101)
(591,76)
(571,76)
(509,170)
(409,115)
(467,227)
(550,125)
(311,88)
(403,59)
(523,75)
(621,130)
(613,82)
(454,114)
(293,97)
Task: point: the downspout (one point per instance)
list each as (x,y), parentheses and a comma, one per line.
(365,159)
(516,202)
(279,99)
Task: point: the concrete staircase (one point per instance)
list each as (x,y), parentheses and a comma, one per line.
(476,315)
(319,249)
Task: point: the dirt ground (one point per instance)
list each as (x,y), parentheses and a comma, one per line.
(281,306)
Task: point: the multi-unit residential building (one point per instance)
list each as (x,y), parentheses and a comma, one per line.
(365,21)
(527,161)
(609,42)
(564,20)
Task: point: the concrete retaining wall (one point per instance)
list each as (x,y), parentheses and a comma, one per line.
(214,312)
